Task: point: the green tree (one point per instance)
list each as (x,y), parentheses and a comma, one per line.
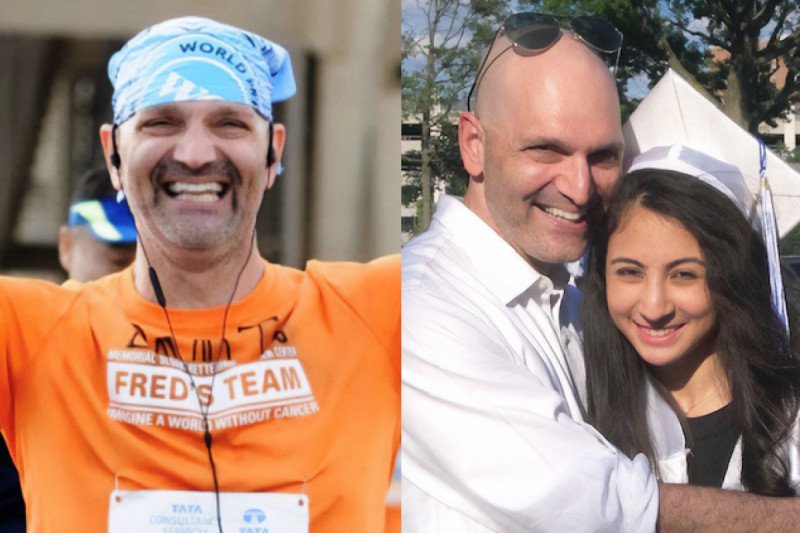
(442,43)
(757,36)
(445,165)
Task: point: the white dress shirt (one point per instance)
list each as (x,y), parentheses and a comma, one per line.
(493,431)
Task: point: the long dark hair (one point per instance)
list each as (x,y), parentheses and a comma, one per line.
(760,361)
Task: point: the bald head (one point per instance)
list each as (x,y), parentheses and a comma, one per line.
(569,68)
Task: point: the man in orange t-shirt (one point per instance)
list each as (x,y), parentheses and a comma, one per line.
(202,388)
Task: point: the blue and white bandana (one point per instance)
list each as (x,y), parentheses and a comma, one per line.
(192,58)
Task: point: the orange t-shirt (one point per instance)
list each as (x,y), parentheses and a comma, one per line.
(306,399)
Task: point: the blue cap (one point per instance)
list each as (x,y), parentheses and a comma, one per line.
(192,58)
(108,221)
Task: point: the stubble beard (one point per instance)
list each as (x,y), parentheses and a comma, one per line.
(187,232)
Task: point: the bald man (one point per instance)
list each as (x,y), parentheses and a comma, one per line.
(494,437)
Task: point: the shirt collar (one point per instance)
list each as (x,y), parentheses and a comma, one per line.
(500,267)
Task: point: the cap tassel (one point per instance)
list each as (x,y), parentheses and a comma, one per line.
(769,232)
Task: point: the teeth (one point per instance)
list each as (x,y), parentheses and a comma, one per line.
(658,332)
(203,198)
(179,187)
(572,217)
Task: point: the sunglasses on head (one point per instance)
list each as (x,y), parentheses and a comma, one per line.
(533,33)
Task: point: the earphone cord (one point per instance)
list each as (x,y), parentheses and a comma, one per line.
(203,412)
(162,301)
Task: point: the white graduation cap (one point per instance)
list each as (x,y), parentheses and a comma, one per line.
(675,113)
(723,176)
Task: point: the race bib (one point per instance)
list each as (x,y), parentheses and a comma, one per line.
(151,511)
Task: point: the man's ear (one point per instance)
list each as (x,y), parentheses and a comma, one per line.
(65,248)
(278,143)
(108,149)
(471,143)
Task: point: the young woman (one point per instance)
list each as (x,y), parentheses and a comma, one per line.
(677,306)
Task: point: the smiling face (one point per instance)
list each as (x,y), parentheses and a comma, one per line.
(550,145)
(194,173)
(657,291)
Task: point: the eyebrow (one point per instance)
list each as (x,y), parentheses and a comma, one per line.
(671,264)
(175,109)
(616,147)
(158,109)
(545,141)
(238,110)
(555,142)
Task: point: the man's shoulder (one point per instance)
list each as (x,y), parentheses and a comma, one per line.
(449,309)
(372,285)
(444,292)
(350,274)
(457,250)
(370,291)
(35,301)
(23,290)
(435,262)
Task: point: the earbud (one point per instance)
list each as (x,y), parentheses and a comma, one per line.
(115,160)
(271,150)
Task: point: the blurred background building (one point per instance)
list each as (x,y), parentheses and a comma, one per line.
(337,197)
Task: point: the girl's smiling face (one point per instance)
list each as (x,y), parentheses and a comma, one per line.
(657,291)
